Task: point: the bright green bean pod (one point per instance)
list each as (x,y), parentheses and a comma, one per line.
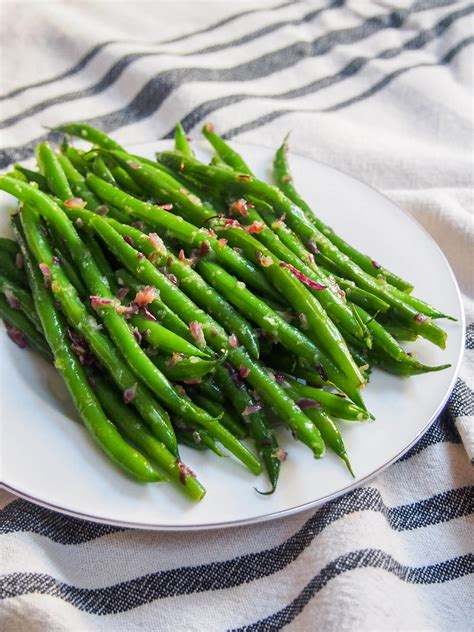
(163,339)
(399,332)
(332,404)
(181,142)
(360,297)
(101,170)
(89,133)
(224,151)
(77,159)
(383,340)
(51,169)
(67,364)
(284,181)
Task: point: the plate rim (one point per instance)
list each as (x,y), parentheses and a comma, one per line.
(124,524)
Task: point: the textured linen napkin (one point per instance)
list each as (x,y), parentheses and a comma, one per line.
(379,89)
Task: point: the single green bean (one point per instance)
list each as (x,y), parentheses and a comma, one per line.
(51,169)
(163,339)
(332,404)
(180,140)
(89,133)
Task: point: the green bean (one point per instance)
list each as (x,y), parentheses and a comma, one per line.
(51,169)
(67,364)
(284,182)
(163,339)
(399,332)
(100,259)
(131,426)
(232,424)
(86,132)
(332,404)
(260,429)
(124,180)
(101,170)
(408,367)
(224,151)
(356,295)
(196,440)
(180,140)
(283,362)
(383,341)
(77,159)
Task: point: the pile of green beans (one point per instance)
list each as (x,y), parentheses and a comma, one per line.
(191,304)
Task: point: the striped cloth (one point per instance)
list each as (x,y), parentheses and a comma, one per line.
(379,89)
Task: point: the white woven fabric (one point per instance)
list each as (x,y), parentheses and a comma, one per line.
(380,89)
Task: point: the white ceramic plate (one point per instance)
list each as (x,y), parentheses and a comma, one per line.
(49,458)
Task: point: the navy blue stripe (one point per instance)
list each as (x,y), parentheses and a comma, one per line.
(204,110)
(271,116)
(470,336)
(95,50)
(143,590)
(156,90)
(365,558)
